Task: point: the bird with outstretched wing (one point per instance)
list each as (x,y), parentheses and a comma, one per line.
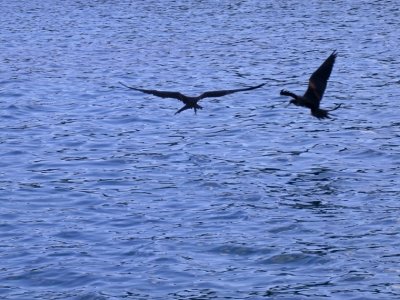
(316,88)
(191,102)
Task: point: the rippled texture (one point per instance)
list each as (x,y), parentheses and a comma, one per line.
(106,194)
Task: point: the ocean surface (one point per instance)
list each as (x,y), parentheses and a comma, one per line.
(106,194)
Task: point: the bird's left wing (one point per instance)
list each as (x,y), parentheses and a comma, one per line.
(319,79)
(227,92)
(162,94)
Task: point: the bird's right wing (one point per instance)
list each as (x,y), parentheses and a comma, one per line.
(162,94)
(227,92)
(319,79)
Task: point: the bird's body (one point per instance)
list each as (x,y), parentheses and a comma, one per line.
(316,88)
(191,102)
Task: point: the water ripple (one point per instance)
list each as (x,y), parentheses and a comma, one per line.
(106,194)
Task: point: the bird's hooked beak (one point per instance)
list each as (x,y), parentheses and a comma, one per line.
(290,102)
(293,101)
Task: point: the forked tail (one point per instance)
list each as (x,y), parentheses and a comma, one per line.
(323,113)
(195,107)
(320,113)
(337,106)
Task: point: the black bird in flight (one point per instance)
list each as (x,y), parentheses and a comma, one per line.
(316,88)
(191,102)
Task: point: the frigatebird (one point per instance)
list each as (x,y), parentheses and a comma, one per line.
(316,88)
(191,102)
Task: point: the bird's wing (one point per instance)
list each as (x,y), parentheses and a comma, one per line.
(319,79)
(162,94)
(227,92)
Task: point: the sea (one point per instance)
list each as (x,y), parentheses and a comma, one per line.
(106,193)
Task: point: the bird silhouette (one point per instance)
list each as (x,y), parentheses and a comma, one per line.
(316,88)
(191,102)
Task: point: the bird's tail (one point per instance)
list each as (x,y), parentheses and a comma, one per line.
(324,113)
(287,93)
(320,113)
(182,109)
(195,107)
(337,106)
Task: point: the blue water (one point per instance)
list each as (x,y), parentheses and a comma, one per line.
(106,194)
